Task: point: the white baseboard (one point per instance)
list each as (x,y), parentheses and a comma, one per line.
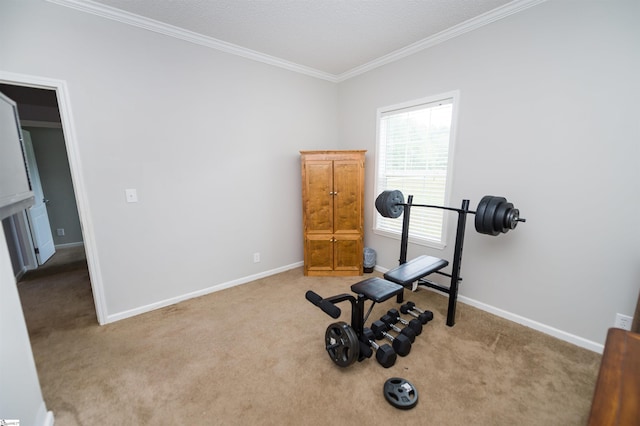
(43,416)
(69,245)
(543,328)
(49,419)
(21,273)
(172,301)
(562,335)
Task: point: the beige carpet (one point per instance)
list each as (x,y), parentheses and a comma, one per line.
(254,354)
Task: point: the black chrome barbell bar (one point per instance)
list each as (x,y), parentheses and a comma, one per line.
(494,215)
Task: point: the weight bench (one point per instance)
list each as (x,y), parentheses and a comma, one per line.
(412,273)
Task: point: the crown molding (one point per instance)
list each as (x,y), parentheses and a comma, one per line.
(112,13)
(455,31)
(109,12)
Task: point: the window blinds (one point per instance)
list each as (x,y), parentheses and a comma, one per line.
(413,156)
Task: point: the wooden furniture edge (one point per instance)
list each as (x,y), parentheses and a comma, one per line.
(616,399)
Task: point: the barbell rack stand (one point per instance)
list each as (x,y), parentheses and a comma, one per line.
(452,290)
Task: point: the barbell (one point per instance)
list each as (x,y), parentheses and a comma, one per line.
(494,215)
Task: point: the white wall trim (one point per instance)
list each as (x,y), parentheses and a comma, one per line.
(49,419)
(455,31)
(562,335)
(75,166)
(172,301)
(543,328)
(43,416)
(128,18)
(41,124)
(69,245)
(89,6)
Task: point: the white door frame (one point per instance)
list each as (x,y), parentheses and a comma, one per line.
(75,166)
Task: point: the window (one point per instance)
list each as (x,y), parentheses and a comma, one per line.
(415,152)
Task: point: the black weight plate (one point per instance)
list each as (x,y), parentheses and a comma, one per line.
(396,201)
(342,344)
(400,393)
(489,215)
(512,218)
(500,218)
(381,203)
(482,207)
(390,203)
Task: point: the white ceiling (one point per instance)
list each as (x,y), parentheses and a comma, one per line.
(332,39)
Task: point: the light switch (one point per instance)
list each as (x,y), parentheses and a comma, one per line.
(132,195)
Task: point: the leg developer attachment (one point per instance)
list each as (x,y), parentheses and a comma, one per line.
(348,343)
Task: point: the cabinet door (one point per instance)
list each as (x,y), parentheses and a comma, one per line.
(347,253)
(318,197)
(318,253)
(347,187)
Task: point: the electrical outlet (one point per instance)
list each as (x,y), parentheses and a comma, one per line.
(256,257)
(623,322)
(60,232)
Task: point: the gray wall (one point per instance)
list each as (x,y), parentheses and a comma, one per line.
(548,118)
(20,394)
(209,140)
(53,165)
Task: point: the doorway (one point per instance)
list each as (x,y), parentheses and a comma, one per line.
(58,114)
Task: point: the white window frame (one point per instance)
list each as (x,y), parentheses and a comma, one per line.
(454,98)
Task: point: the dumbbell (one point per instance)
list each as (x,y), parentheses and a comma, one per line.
(385,355)
(401,343)
(424,317)
(365,351)
(414,324)
(413,306)
(391,323)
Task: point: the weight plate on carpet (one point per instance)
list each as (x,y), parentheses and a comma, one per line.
(390,203)
(400,393)
(342,344)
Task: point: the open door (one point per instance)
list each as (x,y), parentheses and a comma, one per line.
(37,214)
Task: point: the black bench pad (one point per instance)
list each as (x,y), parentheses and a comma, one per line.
(377,289)
(415,269)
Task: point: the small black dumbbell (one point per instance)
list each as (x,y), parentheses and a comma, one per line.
(401,343)
(423,317)
(413,306)
(365,351)
(391,323)
(414,324)
(385,355)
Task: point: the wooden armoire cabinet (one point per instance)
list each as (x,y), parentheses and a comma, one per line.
(333,213)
